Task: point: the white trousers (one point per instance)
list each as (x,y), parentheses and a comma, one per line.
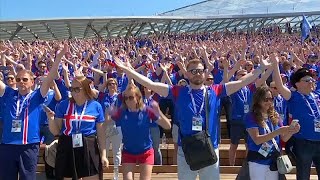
(261,172)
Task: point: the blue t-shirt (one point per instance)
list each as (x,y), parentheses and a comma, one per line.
(182,100)
(29,116)
(218,75)
(251,123)
(93,114)
(135,127)
(239,99)
(49,101)
(64,91)
(299,109)
(280,105)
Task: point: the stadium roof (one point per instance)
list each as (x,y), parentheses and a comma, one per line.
(245,7)
(203,16)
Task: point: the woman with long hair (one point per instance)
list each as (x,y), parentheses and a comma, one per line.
(135,119)
(113,130)
(265,130)
(78,121)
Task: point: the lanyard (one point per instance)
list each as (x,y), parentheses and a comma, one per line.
(194,104)
(20,107)
(279,104)
(81,116)
(273,140)
(244,95)
(309,105)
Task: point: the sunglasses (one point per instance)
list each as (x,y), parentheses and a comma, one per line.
(268,99)
(128,98)
(23,79)
(196,71)
(209,79)
(113,84)
(10,78)
(75,89)
(309,79)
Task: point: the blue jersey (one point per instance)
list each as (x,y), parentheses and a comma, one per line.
(307,115)
(29,116)
(280,105)
(182,100)
(241,102)
(72,123)
(49,101)
(64,91)
(135,127)
(251,123)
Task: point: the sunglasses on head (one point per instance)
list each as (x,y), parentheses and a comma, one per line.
(196,71)
(23,79)
(268,99)
(128,98)
(75,89)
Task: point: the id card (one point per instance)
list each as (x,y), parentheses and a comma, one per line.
(197,123)
(246,108)
(77,140)
(317,125)
(265,149)
(16,125)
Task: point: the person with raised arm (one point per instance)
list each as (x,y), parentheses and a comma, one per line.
(190,101)
(20,144)
(304,106)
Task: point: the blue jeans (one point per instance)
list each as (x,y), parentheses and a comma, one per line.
(45,132)
(306,152)
(155,136)
(226,103)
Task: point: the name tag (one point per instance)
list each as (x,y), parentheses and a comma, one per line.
(16,125)
(317,125)
(246,108)
(197,123)
(77,140)
(265,149)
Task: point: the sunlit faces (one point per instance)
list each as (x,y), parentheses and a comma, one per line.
(267,101)
(273,89)
(131,99)
(112,85)
(24,81)
(196,73)
(76,90)
(10,79)
(306,82)
(240,74)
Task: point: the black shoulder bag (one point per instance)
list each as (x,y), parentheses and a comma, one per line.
(198,149)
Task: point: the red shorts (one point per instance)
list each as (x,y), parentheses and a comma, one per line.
(145,158)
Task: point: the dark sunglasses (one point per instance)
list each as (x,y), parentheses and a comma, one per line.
(209,79)
(268,99)
(10,78)
(196,71)
(128,97)
(23,79)
(75,89)
(310,79)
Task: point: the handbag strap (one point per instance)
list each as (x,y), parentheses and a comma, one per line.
(206,98)
(273,140)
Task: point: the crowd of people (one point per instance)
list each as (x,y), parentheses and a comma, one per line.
(90,93)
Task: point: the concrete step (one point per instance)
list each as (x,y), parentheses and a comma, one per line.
(173,169)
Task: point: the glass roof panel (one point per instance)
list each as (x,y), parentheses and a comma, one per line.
(243,7)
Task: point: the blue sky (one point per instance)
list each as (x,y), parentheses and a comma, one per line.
(42,9)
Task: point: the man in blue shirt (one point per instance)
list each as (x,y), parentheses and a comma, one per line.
(182,98)
(20,144)
(304,105)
